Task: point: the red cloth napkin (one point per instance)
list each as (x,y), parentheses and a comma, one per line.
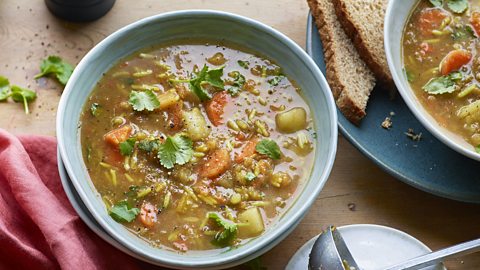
(39,229)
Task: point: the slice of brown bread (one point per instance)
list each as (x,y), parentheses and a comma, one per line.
(363,23)
(349,77)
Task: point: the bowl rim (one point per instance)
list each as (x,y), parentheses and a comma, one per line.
(283,229)
(417,109)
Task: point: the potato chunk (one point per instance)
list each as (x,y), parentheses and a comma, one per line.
(254,222)
(292,120)
(195,124)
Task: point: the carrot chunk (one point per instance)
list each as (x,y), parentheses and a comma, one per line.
(148,214)
(454,60)
(475,21)
(117,136)
(216,164)
(431,19)
(247,150)
(215,108)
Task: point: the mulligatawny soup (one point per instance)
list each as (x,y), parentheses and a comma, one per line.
(195,146)
(441,58)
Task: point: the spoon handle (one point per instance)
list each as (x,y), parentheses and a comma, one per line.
(438,256)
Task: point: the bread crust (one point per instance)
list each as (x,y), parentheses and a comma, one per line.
(381,72)
(344,102)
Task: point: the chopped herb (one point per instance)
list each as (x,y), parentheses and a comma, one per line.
(175,150)
(457,6)
(145,100)
(477,148)
(55,65)
(409,75)
(19,94)
(269,148)
(250,176)
(255,264)
(276,80)
(4,88)
(243,64)
(462,32)
(436,3)
(149,145)
(122,212)
(443,84)
(212,77)
(229,232)
(94,109)
(238,82)
(126,147)
(132,191)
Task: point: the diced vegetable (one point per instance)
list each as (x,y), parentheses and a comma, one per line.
(217,59)
(216,164)
(431,19)
(252,222)
(195,124)
(148,214)
(248,150)
(475,21)
(215,107)
(168,99)
(454,60)
(119,135)
(292,120)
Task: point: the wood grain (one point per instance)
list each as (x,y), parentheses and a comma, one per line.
(28,33)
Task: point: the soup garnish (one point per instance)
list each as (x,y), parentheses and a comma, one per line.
(440,50)
(195,146)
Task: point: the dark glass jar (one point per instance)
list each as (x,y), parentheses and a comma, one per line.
(79,10)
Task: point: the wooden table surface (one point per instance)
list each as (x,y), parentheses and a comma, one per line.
(28,33)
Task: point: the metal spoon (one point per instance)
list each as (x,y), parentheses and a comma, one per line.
(331,253)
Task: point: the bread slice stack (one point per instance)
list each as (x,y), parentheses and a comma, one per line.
(352,35)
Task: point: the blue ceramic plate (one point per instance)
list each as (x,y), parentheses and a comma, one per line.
(428,164)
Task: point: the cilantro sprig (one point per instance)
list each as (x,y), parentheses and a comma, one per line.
(16,93)
(122,212)
(143,100)
(175,150)
(205,76)
(228,234)
(4,88)
(237,84)
(269,148)
(54,65)
(126,147)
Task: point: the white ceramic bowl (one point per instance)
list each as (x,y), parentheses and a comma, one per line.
(206,25)
(397,14)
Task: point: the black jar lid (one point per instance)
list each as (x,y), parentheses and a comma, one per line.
(79,10)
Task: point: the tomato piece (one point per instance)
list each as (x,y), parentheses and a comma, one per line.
(454,60)
(216,106)
(247,150)
(117,136)
(148,214)
(431,19)
(475,21)
(175,116)
(216,164)
(112,156)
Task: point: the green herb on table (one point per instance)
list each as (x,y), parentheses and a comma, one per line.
(212,77)
(269,148)
(443,84)
(175,150)
(54,65)
(23,95)
(228,233)
(126,147)
(4,88)
(122,212)
(144,100)
(237,84)
(457,6)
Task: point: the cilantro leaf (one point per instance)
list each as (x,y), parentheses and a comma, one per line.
(149,145)
(457,6)
(229,232)
(126,147)
(238,82)
(436,3)
(275,80)
(243,64)
(145,100)
(206,76)
(250,176)
(122,212)
(4,88)
(410,76)
(477,148)
(175,150)
(24,95)
(269,148)
(443,84)
(55,65)
(95,109)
